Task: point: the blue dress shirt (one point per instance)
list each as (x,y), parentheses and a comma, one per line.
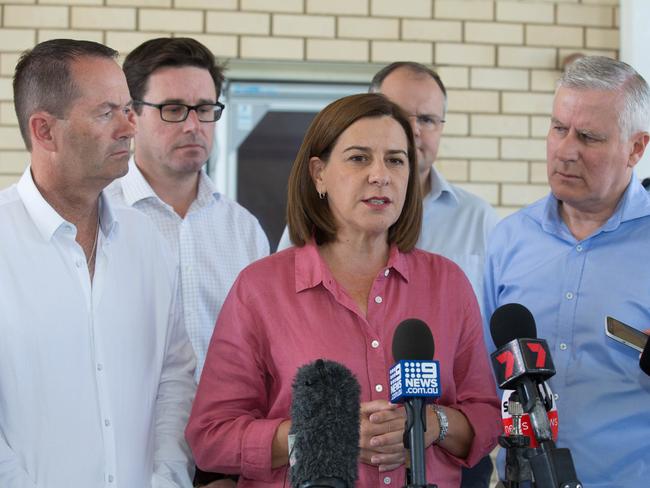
(570,286)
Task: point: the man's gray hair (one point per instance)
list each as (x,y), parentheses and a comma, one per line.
(602,73)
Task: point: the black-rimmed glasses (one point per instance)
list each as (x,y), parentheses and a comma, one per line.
(178,112)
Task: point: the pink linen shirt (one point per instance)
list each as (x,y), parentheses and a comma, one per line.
(287,310)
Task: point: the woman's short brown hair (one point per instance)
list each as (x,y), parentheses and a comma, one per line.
(307,214)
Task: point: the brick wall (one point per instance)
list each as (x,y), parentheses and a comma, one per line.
(499,60)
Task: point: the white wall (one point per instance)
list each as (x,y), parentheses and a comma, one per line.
(635,44)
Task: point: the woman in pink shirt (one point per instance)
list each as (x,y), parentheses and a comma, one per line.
(354,215)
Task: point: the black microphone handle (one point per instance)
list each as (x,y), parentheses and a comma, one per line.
(416,425)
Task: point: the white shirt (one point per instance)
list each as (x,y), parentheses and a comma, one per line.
(95,382)
(213,243)
(455,224)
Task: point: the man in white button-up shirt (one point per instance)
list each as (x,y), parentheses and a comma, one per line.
(175,85)
(96,371)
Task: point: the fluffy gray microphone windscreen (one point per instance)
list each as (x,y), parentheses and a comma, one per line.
(325,423)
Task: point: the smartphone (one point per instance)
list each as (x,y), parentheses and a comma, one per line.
(625,334)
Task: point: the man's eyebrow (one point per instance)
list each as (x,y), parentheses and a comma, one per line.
(202,101)
(113,105)
(591,134)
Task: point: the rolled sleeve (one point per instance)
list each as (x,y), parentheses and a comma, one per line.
(228,431)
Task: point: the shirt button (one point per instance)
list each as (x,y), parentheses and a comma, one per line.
(579,248)
(99,366)
(555,396)
(563,346)
(569,295)
(387,480)
(379,388)
(375,344)
(378,299)
(107,422)
(386,273)
(110,478)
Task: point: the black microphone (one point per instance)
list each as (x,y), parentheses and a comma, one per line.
(522,362)
(324,426)
(414,380)
(644,360)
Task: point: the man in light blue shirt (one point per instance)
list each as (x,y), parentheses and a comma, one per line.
(581,254)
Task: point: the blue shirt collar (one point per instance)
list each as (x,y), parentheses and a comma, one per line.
(440,187)
(634,203)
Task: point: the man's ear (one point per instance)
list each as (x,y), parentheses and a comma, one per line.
(638,141)
(41,130)
(316,167)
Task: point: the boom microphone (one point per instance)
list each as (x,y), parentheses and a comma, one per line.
(522,362)
(414,380)
(324,426)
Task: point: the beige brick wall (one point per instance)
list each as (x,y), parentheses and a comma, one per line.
(498,58)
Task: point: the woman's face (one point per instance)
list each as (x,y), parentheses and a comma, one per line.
(365,178)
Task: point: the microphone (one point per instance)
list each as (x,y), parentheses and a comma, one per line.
(522,362)
(324,426)
(414,380)
(644,360)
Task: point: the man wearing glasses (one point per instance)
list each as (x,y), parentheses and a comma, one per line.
(175,84)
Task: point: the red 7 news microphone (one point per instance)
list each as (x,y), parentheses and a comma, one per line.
(522,363)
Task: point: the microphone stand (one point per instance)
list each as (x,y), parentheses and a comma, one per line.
(552,467)
(416,426)
(516,445)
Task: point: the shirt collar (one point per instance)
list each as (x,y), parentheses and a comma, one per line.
(440,188)
(48,220)
(135,187)
(634,203)
(207,193)
(311,269)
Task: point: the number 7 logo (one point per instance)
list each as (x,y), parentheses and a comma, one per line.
(540,353)
(507,358)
